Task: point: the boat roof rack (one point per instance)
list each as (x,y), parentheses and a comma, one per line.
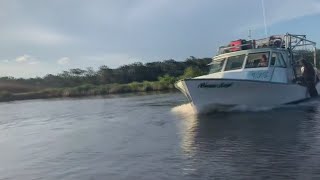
(291,42)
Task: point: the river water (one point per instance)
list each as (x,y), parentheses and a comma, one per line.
(155,136)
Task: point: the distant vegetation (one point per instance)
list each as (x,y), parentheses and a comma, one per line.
(136,77)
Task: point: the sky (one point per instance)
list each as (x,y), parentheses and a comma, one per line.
(38,37)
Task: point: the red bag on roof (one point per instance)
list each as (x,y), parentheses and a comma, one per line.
(239,45)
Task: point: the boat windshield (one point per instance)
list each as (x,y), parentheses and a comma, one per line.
(234,62)
(217,65)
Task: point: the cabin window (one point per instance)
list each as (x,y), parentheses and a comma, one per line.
(217,65)
(234,62)
(277,60)
(256,60)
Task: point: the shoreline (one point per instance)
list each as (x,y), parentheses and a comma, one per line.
(89,91)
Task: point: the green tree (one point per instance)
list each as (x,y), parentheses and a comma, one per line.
(191,72)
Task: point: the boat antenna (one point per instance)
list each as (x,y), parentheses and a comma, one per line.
(264,18)
(249,35)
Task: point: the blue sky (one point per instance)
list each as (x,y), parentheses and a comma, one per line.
(38,37)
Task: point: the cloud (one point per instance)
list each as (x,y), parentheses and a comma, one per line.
(5,61)
(34,35)
(33,62)
(293,10)
(276,13)
(148,10)
(20,70)
(112,60)
(114,33)
(44,36)
(63,61)
(24,58)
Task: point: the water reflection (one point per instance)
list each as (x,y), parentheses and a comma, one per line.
(280,143)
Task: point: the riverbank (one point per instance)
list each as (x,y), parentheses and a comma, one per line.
(132,78)
(89,90)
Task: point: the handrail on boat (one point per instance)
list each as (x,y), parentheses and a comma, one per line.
(287,41)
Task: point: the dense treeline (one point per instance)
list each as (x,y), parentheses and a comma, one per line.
(136,72)
(136,77)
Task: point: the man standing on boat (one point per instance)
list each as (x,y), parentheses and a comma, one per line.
(309,77)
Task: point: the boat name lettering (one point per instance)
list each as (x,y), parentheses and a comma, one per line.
(221,85)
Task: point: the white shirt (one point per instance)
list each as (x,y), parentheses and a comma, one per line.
(302,69)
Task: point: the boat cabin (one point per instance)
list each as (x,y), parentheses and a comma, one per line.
(273,63)
(265,64)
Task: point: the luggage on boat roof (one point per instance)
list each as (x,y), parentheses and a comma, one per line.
(272,41)
(240,44)
(237,45)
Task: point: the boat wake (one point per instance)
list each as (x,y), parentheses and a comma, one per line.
(184,110)
(188,109)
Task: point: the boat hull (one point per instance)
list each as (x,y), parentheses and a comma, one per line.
(206,94)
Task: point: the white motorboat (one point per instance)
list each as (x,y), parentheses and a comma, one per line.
(258,73)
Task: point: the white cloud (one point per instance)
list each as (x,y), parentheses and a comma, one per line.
(24,58)
(112,60)
(26,71)
(294,9)
(33,62)
(64,61)
(34,35)
(5,61)
(113,33)
(281,11)
(44,36)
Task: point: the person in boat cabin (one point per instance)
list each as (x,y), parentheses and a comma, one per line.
(264,61)
(309,77)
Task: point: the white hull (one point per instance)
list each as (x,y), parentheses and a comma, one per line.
(210,93)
